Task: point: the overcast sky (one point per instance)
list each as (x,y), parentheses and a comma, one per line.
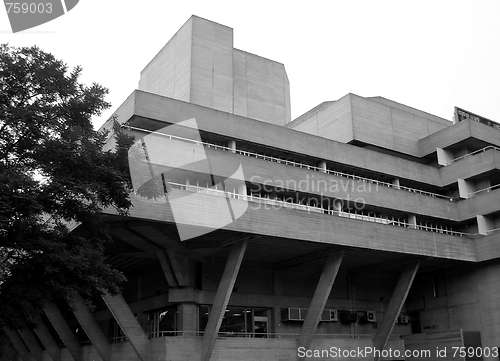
(430,55)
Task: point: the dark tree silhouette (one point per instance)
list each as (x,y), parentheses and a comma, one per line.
(54,173)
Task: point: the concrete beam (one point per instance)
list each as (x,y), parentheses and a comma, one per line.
(129,325)
(303,259)
(318,302)
(395,305)
(63,330)
(167,268)
(92,329)
(222,297)
(179,267)
(18,344)
(48,342)
(30,341)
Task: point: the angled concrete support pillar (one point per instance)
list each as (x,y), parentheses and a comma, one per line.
(129,325)
(92,329)
(30,341)
(18,344)
(319,299)
(167,268)
(8,352)
(222,298)
(48,342)
(63,330)
(180,267)
(395,305)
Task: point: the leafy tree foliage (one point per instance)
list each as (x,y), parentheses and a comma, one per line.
(54,174)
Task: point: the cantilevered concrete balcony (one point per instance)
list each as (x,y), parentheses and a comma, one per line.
(467,130)
(263,220)
(151,111)
(471,166)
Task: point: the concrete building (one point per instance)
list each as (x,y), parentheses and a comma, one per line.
(363,225)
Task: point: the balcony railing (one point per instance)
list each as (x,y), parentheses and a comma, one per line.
(491,231)
(298,164)
(488,189)
(474,153)
(277,204)
(268,335)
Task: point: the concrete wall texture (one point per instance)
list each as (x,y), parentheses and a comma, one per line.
(376,121)
(200,65)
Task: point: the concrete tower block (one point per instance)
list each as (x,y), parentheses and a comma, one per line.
(200,65)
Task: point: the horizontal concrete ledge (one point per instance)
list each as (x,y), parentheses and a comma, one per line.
(143,108)
(314,227)
(457,133)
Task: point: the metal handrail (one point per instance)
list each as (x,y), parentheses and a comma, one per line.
(488,189)
(295,164)
(268,334)
(303,207)
(493,230)
(474,153)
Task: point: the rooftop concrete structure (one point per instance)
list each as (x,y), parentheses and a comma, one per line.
(200,65)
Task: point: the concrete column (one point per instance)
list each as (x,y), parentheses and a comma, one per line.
(444,157)
(18,344)
(242,189)
(63,331)
(92,329)
(395,183)
(319,299)
(166,266)
(395,305)
(337,205)
(31,342)
(47,340)
(465,188)
(322,166)
(222,297)
(484,224)
(412,221)
(9,352)
(188,318)
(232,145)
(129,325)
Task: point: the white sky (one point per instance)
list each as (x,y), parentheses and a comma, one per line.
(430,55)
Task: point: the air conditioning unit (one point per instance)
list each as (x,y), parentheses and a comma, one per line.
(325,316)
(299,314)
(290,314)
(403,319)
(371,316)
(293,314)
(348,317)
